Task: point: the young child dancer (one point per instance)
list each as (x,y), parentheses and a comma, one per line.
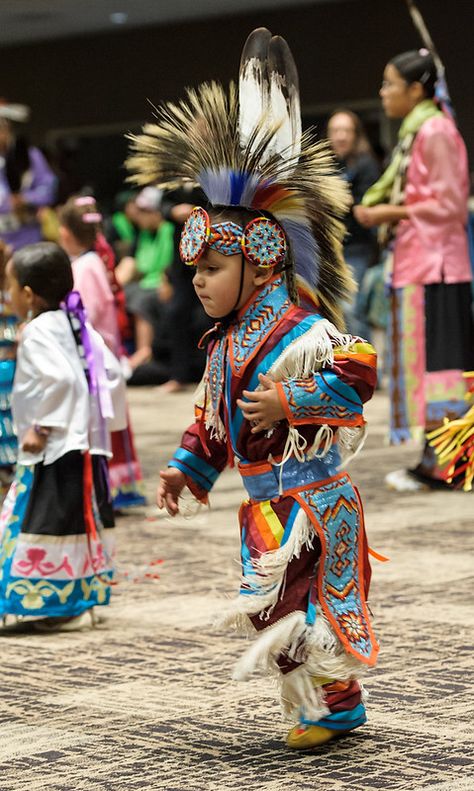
(55,538)
(284,387)
(79,231)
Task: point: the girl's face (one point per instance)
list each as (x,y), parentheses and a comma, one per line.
(21,297)
(217,282)
(398,96)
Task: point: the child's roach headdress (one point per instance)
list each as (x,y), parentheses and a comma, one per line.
(245,149)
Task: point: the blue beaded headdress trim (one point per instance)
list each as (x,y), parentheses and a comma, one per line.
(262,241)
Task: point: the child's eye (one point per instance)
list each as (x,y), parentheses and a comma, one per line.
(211,268)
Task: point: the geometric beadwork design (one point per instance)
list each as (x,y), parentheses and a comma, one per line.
(270,304)
(262,242)
(194,236)
(215,373)
(335,512)
(309,402)
(226,238)
(243,339)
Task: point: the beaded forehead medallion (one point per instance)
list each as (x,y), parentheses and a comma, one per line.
(262,241)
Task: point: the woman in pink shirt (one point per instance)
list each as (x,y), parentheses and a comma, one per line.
(420,204)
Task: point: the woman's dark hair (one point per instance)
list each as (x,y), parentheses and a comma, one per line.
(417,66)
(46,269)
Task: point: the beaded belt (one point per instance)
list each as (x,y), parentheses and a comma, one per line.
(264,480)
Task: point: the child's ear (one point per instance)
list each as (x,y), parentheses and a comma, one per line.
(30,297)
(262,276)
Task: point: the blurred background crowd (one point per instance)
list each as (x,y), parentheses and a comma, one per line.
(73,78)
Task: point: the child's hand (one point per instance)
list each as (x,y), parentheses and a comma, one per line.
(264,408)
(170,487)
(33,442)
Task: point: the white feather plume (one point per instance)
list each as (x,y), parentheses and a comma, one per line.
(253,84)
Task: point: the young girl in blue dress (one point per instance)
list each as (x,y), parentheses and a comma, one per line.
(55,526)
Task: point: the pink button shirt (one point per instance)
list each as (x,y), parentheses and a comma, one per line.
(431,246)
(90,279)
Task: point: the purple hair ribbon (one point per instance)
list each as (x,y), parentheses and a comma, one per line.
(97,378)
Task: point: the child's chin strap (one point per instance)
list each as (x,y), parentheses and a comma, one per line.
(241,284)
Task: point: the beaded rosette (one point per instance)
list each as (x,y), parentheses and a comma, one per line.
(262,241)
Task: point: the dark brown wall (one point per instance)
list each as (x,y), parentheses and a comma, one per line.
(340,49)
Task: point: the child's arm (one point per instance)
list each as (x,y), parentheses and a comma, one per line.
(263,407)
(197,464)
(333,396)
(52,382)
(172,483)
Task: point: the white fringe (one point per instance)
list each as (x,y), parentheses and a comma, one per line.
(270,570)
(214,425)
(304,357)
(298,691)
(310,352)
(325,434)
(200,391)
(269,645)
(351,440)
(213,422)
(320,652)
(295,445)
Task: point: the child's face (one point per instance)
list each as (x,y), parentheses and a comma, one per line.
(217,282)
(20,297)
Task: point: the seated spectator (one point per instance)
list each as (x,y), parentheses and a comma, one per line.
(141,273)
(186,319)
(122,228)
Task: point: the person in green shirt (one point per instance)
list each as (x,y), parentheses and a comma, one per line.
(122,229)
(142,274)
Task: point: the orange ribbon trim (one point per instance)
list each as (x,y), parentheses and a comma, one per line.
(377,556)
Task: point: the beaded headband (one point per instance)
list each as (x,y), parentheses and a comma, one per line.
(262,241)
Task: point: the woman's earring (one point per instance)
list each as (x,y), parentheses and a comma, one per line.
(29,315)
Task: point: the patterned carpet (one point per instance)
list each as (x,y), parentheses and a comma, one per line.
(144,701)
